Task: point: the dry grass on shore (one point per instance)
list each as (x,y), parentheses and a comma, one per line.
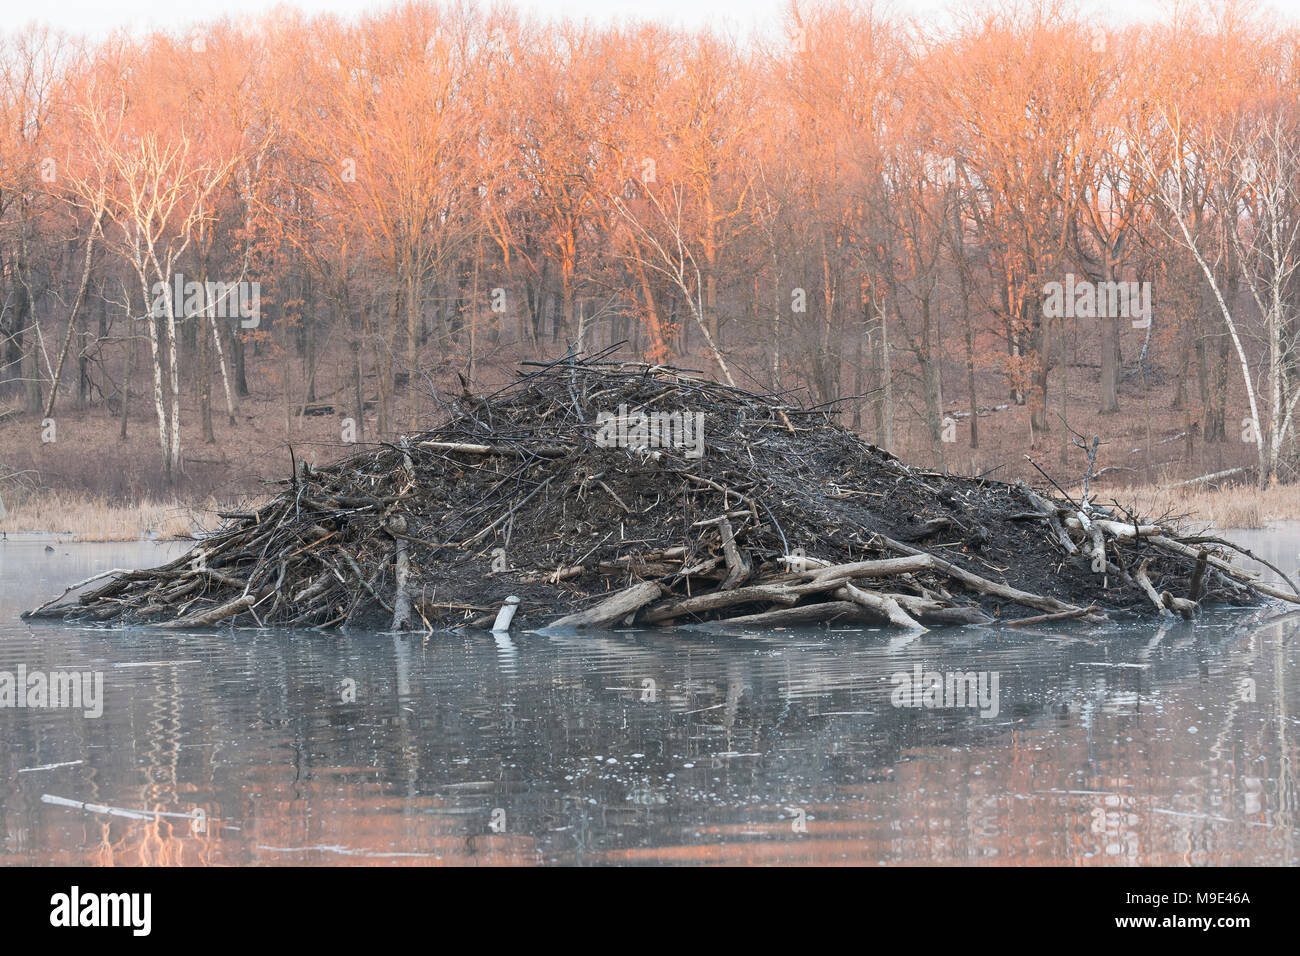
(1231,506)
(88,519)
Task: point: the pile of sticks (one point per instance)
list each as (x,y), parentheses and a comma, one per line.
(778,516)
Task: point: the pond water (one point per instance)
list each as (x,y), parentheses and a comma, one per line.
(1137,744)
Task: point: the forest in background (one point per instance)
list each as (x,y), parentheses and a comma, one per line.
(848,207)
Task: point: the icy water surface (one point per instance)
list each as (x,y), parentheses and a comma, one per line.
(1144,744)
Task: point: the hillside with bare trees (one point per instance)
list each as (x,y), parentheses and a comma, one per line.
(996,239)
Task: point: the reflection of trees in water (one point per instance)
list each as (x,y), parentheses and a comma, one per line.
(445,731)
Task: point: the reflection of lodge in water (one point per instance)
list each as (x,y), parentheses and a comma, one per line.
(665,747)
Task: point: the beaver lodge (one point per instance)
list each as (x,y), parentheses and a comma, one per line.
(602,493)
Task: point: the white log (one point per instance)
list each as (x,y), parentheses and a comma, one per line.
(882,604)
(506,614)
(1145,582)
(620,605)
(1197,481)
(1116,529)
(212,616)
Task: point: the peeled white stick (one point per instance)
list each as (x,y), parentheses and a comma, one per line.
(506,614)
(1117,529)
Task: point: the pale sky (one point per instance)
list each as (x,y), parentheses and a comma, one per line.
(95,17)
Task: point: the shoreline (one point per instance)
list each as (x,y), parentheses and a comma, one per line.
(61,516)
(1226,507)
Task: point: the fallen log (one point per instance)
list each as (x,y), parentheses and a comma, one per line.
(1140,575)
(213,615)
(1051,513)
(1187,609)
(823,611)
(1047,618)
(983,585)
(1223,542)
(738,565)
(1214,477)
(1237,574)
(882,568)
(612,609)
(471,448)
(881,603)
(122,572)
(1116,529)
(715,600)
